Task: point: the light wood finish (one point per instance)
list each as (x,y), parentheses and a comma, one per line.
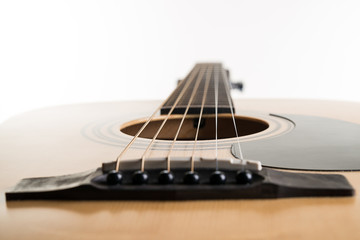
(51,142)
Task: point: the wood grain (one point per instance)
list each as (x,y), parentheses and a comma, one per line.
(50,142)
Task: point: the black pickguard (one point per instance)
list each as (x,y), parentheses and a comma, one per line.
(316,143)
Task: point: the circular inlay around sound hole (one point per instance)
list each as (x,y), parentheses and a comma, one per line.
(245,126)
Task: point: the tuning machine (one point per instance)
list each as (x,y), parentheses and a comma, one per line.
(237,85)
(234,85)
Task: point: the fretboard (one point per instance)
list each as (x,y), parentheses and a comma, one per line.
(203,74)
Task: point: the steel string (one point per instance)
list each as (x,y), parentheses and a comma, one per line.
(198,81)
(191,78)
(227,89)
(207,83)
(196,69)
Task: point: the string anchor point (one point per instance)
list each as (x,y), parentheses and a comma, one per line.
(140,177)
(217,178)
(114,177)
(166,177)
(244,177)
(191,178)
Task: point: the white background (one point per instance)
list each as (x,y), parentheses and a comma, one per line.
(60,52)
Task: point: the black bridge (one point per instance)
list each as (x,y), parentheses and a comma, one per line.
(268,183)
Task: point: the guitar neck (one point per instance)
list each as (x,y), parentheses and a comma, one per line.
(206,87)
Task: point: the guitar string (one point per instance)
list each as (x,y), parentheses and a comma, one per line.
(192,77)
(207,83)
(171,110)
(227,89)
(149,120)
(196,86)
(216,87)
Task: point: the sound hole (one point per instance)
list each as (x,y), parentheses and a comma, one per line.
(245,126)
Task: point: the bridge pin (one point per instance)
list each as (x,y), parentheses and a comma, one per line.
(191,178)
(244,177)
(140,177)
(217,178)
(114,177)
(166,177)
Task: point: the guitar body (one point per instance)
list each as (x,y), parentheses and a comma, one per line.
(75,138)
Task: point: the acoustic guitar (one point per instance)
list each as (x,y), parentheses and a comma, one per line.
(198,165)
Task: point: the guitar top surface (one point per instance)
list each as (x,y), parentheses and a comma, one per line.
(74,138)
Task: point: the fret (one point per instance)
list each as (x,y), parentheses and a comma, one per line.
(209,107)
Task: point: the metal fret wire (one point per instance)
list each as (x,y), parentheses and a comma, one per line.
(216,87)
(227,89)
(192,77)
(207,83)
(197,83)
(148,121)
